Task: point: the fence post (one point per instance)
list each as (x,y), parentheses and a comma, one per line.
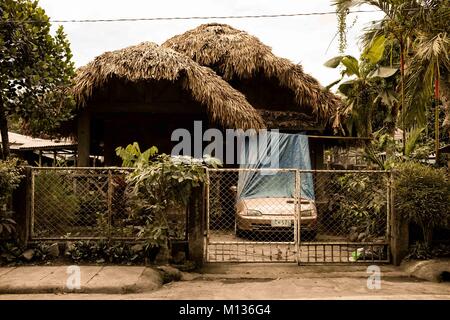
(21,203)
(195,221)
(109,201)
(297,222)
(399,229)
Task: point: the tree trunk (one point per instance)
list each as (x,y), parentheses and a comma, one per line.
(445,99)
(4,132)
(402,88)
(427,236)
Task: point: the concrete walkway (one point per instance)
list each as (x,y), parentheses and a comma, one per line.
(217,281)
(92,279)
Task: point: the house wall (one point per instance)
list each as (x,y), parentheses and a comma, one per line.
(123,113)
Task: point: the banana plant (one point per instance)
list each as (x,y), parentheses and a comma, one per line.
(365,84)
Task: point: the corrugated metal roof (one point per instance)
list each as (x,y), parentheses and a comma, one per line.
(22,142)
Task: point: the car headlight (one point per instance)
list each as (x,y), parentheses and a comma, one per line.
(253,212)
(307,213)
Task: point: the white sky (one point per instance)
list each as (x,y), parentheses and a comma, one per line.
(303,39)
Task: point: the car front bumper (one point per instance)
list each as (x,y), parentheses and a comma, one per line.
(264,223)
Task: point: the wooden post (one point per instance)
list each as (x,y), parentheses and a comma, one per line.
(84,139)
(399,230)
(196,226)
(317,154)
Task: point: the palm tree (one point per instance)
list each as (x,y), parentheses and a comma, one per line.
(420,28)
(365,85)
(428,69)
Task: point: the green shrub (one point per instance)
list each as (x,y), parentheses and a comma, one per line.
(421,251)
(107,252)
(158,185)
(10,177)
(422,196)
(360,201)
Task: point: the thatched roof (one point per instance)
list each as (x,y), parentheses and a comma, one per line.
(148,61)
(234,53)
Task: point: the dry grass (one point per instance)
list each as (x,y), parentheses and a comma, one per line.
(234,53)
(148,61)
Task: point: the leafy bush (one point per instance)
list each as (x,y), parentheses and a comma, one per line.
(103,251)
(10,251)
(160,184)
(422,196)
(422,251)
(10,176)
(361,203)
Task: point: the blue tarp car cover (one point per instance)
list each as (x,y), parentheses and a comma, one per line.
(274,150)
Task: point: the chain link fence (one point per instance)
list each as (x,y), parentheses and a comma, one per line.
(304,216)
(88,203)
(252,228)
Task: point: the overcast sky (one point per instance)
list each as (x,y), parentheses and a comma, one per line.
(303,39)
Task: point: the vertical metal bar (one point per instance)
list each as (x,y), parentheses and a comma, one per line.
(109,200)
(246,256)
(254,253)
(297,218)
(32,204)
(206,236)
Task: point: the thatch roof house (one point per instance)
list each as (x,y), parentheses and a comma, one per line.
(144,92)
(285,96)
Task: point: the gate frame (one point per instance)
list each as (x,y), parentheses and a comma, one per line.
(296,237)
(389,239)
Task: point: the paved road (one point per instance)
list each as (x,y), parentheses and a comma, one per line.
(228,281)
(283,288)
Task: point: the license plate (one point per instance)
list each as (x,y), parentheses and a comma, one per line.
(281,223)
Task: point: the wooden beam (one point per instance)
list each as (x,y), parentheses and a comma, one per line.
(84,139)
(149,108)
(290,120)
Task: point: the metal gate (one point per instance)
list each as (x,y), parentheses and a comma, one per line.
(345,221)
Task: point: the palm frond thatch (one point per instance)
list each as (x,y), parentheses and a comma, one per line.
(234,53)
(148,61)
